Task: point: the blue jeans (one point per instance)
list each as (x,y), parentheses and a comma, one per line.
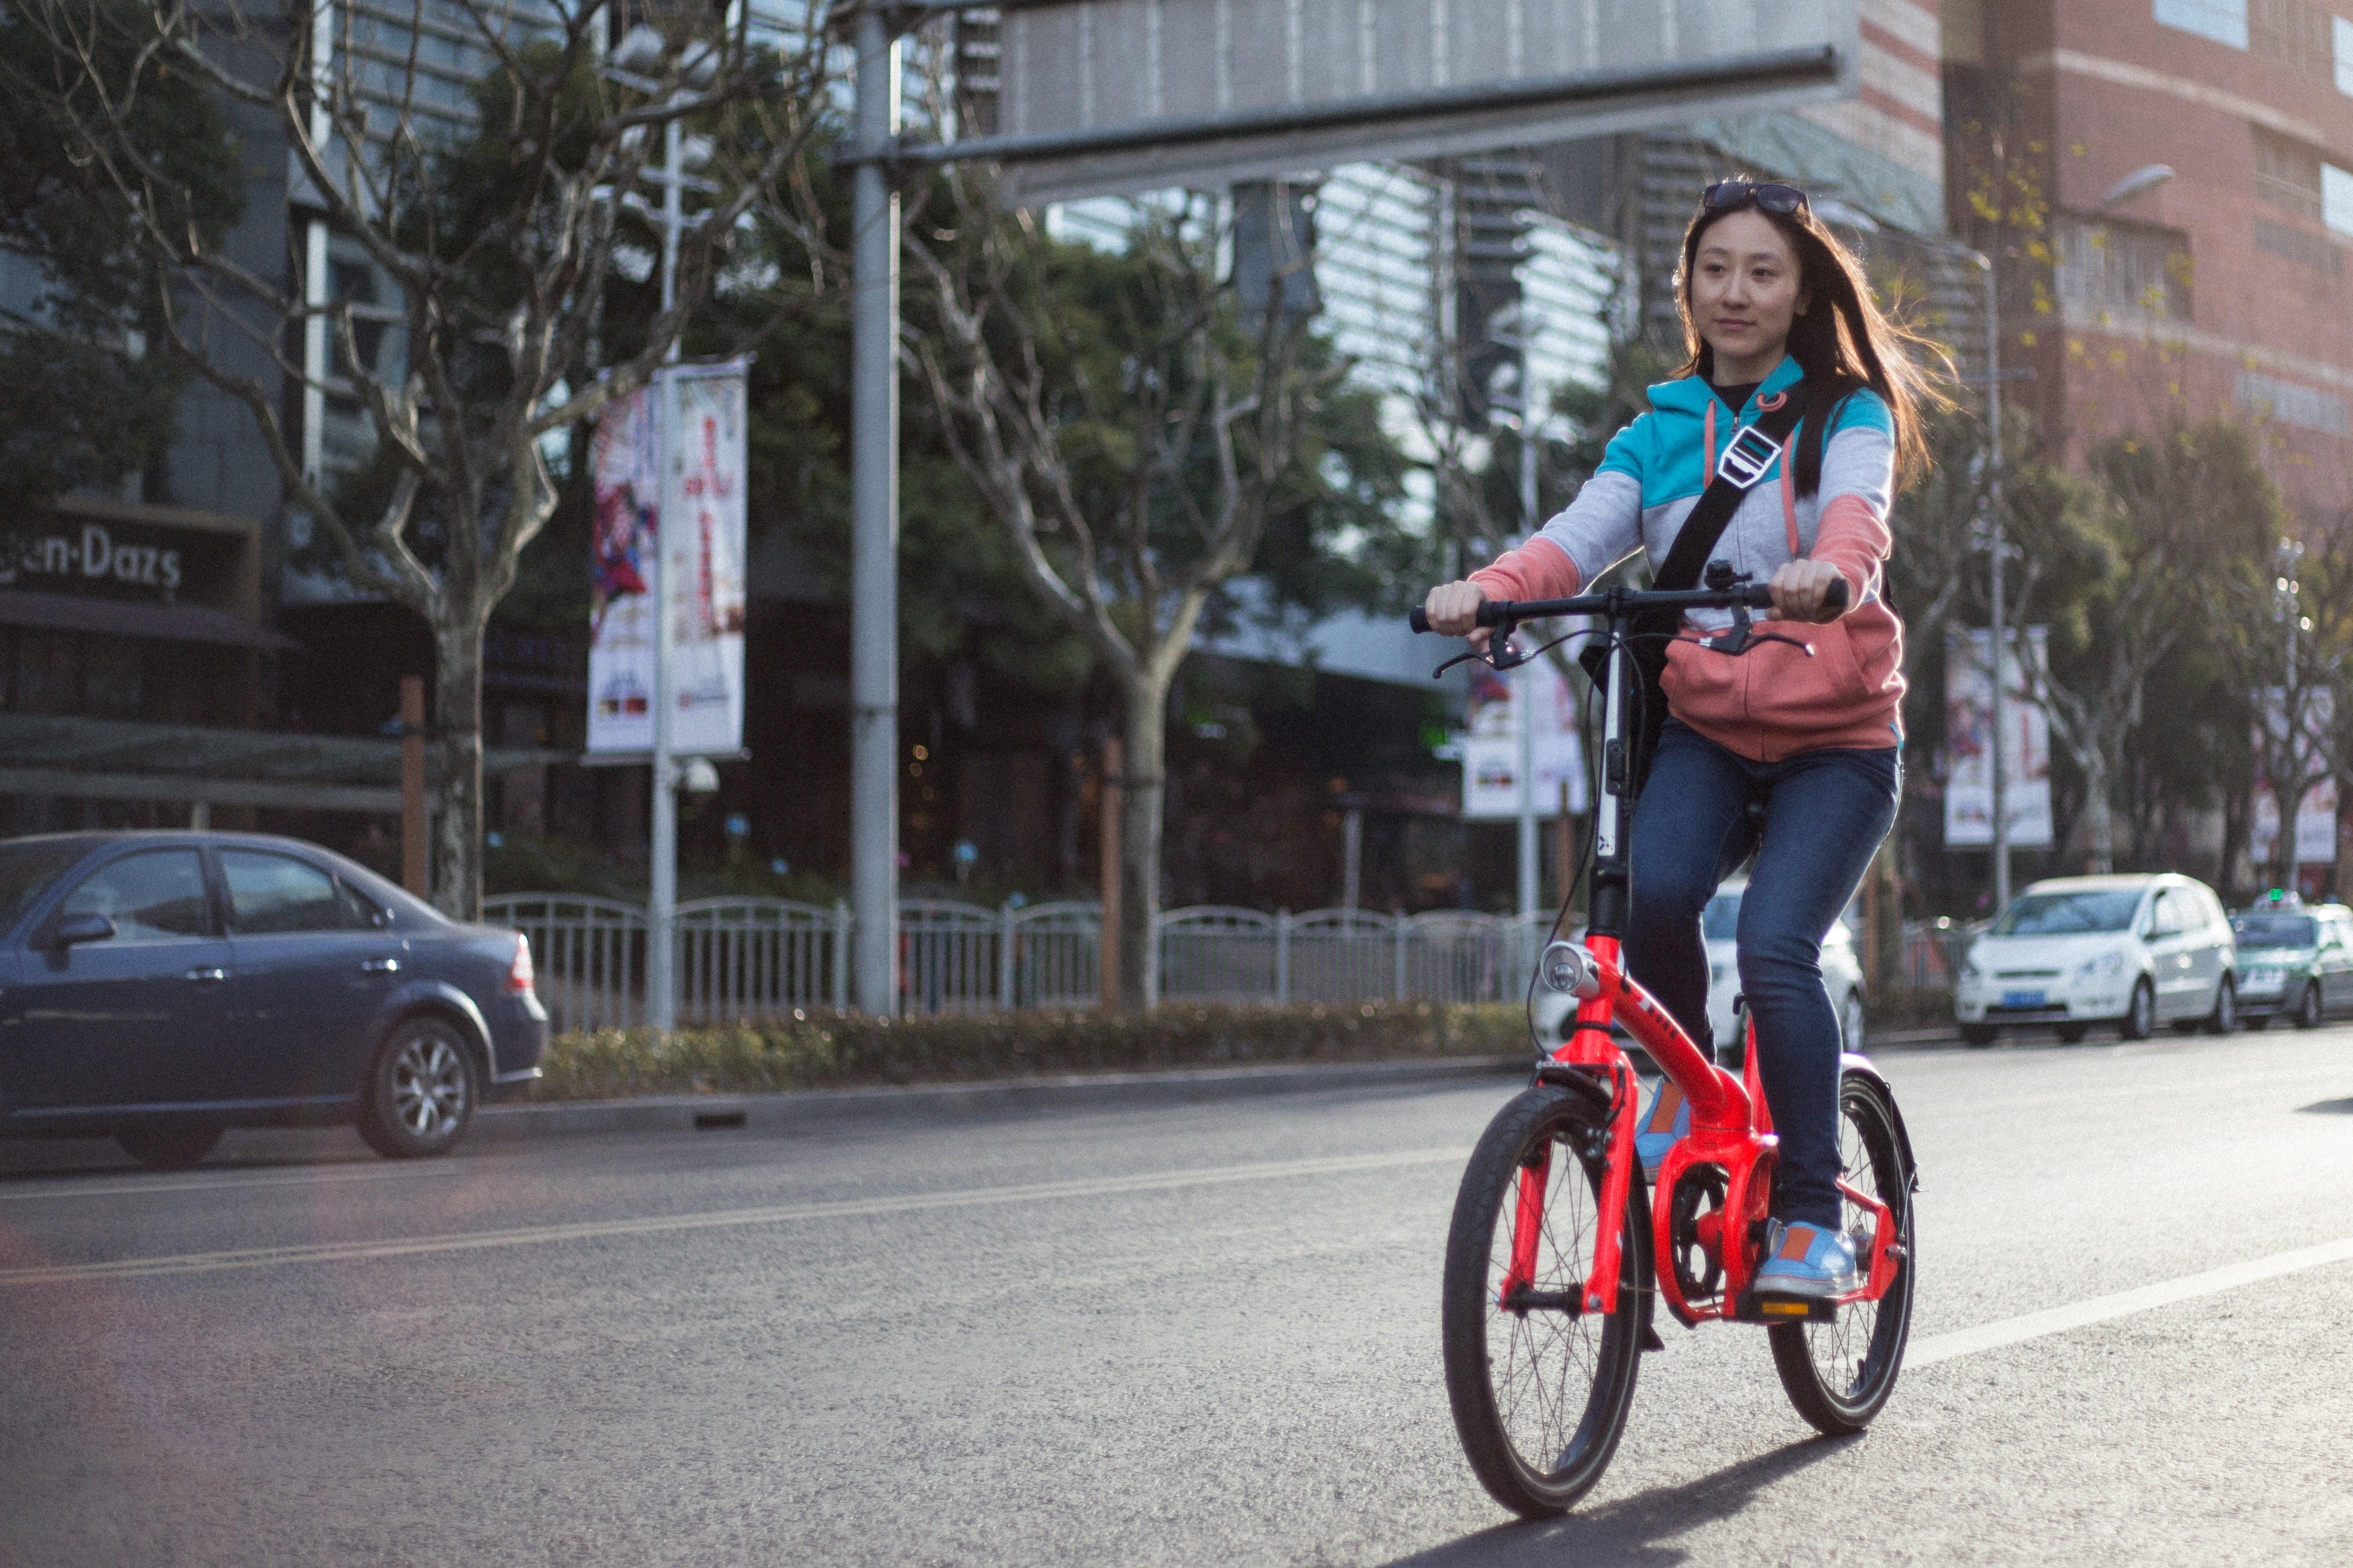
(1824,814)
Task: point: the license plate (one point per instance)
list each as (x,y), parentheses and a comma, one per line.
(2022,999)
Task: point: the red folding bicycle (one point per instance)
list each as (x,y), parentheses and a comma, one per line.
(1556,1243)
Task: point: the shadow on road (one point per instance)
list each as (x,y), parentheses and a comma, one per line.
(1631,1531)
(2328,1108)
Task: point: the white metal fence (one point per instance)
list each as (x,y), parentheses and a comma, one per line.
(746,959)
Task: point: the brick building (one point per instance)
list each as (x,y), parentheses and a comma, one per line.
(2221,289)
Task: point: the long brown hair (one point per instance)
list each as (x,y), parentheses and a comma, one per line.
(1843,341)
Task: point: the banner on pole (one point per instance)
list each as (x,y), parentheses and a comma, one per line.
(701,560)
(1491,749)
(2316,814)
(624,461)
(1968,744)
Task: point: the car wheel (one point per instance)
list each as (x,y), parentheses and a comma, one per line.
(2307,1006)
(2224,1018)
(420,1091)
(2073,1033)
(1851,1021)
(1978,1033)
(2139,1021)
(168,1148)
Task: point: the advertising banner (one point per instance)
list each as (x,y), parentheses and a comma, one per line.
(1968,744)
(2316,814)
(1491,749)
(703,562)
(694,525)
(624,460)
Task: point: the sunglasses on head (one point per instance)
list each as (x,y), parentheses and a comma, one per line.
(1782,200)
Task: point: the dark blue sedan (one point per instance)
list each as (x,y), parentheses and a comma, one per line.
(159,988)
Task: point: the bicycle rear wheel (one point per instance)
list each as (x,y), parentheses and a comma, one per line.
(1840,1374)
(1540,1394)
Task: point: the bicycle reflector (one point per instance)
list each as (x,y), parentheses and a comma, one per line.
(1567,968)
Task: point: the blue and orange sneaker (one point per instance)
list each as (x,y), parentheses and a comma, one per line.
(1667,1118)
(1802,1259)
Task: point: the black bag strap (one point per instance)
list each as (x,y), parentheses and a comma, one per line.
(1743,462)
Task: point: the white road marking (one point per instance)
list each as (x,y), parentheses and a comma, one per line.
(203,1183)
(656,1225)
(2123,1303)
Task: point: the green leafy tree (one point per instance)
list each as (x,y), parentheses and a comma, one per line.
(1139,443)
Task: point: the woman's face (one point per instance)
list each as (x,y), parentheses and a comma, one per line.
(1744,288)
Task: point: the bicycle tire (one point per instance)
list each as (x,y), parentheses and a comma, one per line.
(1540,1423)
(1836,1389)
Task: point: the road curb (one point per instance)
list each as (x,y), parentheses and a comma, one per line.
(829,1107)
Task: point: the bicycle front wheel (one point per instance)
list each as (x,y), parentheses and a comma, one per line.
(1540,1388)
(1839,1373)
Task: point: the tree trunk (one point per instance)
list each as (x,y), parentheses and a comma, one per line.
(1147,745)
(2283,867)
(2097,814)
(457,791)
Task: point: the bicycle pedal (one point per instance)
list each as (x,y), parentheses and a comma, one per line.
(1751,1307)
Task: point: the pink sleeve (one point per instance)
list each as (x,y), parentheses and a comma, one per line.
(1852,537)
(1536,570)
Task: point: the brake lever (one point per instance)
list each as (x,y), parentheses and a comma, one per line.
(1507,660)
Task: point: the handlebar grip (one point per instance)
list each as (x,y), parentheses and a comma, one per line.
(1834,596)
(1418,619)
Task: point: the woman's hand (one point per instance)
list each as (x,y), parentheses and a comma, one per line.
(1798,589)
(1453,610)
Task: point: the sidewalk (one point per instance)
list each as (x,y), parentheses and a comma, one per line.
(810,1109)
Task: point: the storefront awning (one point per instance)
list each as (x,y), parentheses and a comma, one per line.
(127,618)
(119,759)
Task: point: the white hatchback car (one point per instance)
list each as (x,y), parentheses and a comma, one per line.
(2132,950)
(1842,974)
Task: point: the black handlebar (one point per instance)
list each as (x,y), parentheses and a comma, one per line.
(1621,602)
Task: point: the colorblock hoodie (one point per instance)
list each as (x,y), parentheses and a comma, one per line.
(1773,701)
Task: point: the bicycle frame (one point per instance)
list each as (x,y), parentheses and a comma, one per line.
(1731,1126)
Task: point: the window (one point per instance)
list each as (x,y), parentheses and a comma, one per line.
(2224,21)
(2300,245)
(2108,267)
(156,895)
(26,869)
(2287,175)
(2165,916)
(2341,52)
(272,894)
(2064,914)
(2294,32)
(2292,404)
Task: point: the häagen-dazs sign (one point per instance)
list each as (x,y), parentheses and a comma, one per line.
(70,557)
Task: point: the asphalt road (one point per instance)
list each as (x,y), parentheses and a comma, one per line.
(1190,1334)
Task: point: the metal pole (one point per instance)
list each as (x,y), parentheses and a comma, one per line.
(874,525)
(661,915)
(2001,639)
(1523,695)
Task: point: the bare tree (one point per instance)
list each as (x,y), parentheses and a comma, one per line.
(2287,647)
(1132,434)
(501,239)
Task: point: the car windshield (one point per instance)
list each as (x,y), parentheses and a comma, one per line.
(2064,914)
(26,867)
(1722,921)
(2275,931)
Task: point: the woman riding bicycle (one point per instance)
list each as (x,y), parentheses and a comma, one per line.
(1774,307)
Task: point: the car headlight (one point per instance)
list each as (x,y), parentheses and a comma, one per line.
(2104,964)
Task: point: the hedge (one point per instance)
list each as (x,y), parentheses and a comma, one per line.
(823,1049)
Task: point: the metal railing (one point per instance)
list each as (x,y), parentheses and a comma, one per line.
(742,959)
